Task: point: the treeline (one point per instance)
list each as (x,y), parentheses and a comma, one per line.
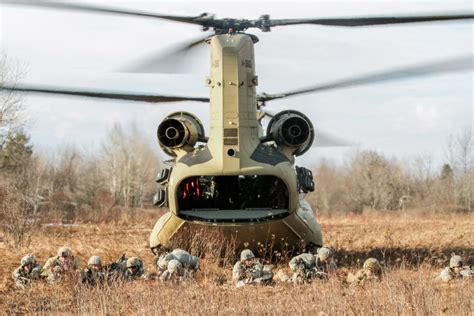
(370,181)
(114,182)
(72,184)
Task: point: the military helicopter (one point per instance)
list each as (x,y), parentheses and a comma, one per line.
(241,178)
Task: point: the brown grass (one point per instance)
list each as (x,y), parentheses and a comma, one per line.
(413,248)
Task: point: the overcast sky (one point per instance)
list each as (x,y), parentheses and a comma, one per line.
(402,119)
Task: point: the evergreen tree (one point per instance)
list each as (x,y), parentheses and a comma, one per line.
(447,172)
(15,152)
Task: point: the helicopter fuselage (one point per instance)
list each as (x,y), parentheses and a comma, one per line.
(234,183)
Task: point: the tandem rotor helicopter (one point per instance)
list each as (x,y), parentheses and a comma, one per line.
(240,178)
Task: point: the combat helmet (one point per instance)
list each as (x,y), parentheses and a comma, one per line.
(456,261)
(94,260)
(134,262)
(373,265)
(246,254)
(324,253)
(64,252)
(26,260)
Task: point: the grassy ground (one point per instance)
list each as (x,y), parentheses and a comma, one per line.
(413,248)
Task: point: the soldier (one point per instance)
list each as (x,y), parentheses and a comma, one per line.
(372,270)
(59,266)
(117,269)
(325,260)
(135,269)
(174,269)
(306,267)
(94,274)
(250,271)
(28,271)
(178,263)
(456,270)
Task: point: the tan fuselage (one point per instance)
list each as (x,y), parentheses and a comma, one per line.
(231,150)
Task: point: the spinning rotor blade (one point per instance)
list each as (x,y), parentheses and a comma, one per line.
(173,61)
(97,9)
(264,23)
(452,65)
(376,20)
(324,139)
(102,94)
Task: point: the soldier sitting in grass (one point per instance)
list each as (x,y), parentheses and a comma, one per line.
(60,266)
(94,274)
(250,271)
(307,266)
(177,264)
(456,270)
(28,271)
(372,270)
(325,261)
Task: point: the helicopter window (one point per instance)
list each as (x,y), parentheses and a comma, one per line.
(232,193)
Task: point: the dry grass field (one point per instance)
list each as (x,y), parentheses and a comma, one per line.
(413,248)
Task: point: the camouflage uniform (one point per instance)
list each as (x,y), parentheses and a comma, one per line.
(174,269)
(325,260)
(249,271)
(117,269)
(94,274)
(56,268)
(456,270)
(177,263)
(21,277)
(307,267)
(372,270)
(303,267)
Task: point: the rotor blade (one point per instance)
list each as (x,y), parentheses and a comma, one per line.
(97,9)
(453,65)
(376,20)
(325,139)
(172,61)
(101,94)
(322,139)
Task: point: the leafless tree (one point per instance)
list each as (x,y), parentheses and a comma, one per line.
(129,165)
(10,103)
(464,160)
(377,182)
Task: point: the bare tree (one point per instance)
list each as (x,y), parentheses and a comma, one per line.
(129,165)
(464,161)
(331,194)
(375,182)
(10,103)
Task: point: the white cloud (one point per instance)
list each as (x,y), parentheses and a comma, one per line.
(427,115)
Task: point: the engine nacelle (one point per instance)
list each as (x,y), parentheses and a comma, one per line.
(180,131)
(291,129)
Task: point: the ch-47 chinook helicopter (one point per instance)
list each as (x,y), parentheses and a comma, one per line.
(241,178)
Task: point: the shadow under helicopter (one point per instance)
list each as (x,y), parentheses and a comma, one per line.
(409,257)
(213,244)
